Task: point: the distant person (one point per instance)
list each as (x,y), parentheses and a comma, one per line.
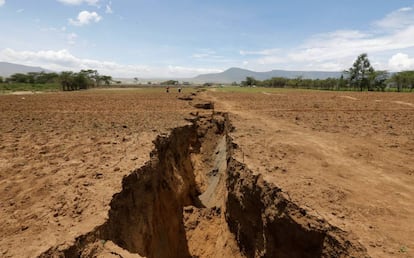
(179,90)
(167,89)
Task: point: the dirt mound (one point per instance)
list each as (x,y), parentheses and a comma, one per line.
(193,199)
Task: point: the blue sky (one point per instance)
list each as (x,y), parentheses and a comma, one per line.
(183,38)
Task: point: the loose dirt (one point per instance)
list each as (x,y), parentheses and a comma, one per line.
(296,174)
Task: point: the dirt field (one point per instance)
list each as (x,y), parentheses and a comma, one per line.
(63,156)
(348,156)
(341,162)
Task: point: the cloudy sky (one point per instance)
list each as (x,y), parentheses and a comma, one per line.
(183,38)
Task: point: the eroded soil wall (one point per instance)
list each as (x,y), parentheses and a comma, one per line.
(192,171)
(146,217)
(267,224)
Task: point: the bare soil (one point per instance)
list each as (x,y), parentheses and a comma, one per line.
(347,157)
(289,174)
(63,156)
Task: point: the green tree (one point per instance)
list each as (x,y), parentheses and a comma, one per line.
(169,82)
(66,80)
(250,81)
(92,76)
(1,79)
(403,80)
(341,83)
(43,77)
(294,83)
(279,82)
(106,79)
(19,77)
(409,79)
(378,80)
(81,81)
(360,73)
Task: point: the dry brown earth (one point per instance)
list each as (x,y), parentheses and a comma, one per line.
(346,158)
(63,156)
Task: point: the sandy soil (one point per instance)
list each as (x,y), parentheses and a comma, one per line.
(346,157)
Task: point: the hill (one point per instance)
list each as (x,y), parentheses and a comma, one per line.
(7,69)
(238,75)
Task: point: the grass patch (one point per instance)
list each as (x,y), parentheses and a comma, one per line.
(11,87)
(238,89)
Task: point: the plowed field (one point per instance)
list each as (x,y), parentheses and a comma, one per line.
(346,158)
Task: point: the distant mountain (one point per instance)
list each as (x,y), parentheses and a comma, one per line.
(7,69)
(238,75)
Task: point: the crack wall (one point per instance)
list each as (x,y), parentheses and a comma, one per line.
(146,217)
(267,224)
(192,199)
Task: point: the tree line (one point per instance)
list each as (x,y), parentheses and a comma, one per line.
(68,80)
(361,76)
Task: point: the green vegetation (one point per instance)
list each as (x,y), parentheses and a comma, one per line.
(42,81)
(250,81)
(15,86)
(85,79)
(361,73)
(170,82)
(257,89)
(33,78)
(403,80)
(361,76)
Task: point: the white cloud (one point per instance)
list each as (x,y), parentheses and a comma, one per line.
(346,44)
(263,52)
(398,19)
(337,50)
(60,58)
(79,2)
(63,60)
(84,18)
(108,8)
(2,2)
(20,11)
(400,62)
(271,59)
(181,71)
